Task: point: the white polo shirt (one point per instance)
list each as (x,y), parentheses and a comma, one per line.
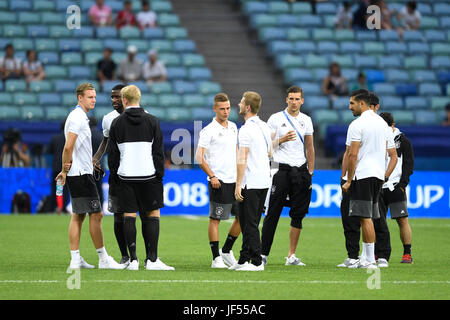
(107,120)
(78,123)
(290,152)
(220,143)
(255,134)
(373,134)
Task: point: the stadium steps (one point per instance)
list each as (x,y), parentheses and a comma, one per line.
(235,60)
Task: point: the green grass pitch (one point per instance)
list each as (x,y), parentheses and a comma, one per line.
(35,256)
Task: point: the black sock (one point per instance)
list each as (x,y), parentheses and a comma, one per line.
(228,243)
(144,234)
(120,237)
(129,229)
(406,249)
(214,248)
(151,231)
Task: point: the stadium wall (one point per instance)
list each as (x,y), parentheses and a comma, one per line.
(186,192)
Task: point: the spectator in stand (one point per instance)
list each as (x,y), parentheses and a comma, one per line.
(32,68)
(409,17)
(100,14)
(360,16)
(154,70)
(334,84)
(146,18)
(106,67)
(344,17)
(131,67)
(361,83)
(14,154)
(55,148)
(386,14)
(125,17)
(447,116)
(10,67)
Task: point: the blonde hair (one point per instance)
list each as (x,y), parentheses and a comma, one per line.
(83,87)
(131,93)
(252,99)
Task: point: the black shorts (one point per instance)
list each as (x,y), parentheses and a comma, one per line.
(395,200)
(84,194)
(142,196)
(222,202)
(364,195)
(113,193)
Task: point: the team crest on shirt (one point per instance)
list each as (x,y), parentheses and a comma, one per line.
(95,204)
(397,144)
(219,211)
(274,188)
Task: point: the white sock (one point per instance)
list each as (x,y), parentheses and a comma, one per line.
(370,252)
(102,255)
(363,253)
(75,254)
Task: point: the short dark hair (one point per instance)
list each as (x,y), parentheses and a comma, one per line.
(447,107)
(374,100)
(220,97)
(412,5)
(118,87)
(388,117)
(361,94)
(9,45)
(294,89)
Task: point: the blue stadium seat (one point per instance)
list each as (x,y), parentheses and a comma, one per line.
(71,58)
(115,44)
(170,100)
(301,8)
(66,45)
(199,73)
(83,33)
(153,33)
(129,32)
(373,47)
(393,61)
(374,76)
(106,32)
(442,9)
(327,47)
(345,61)
(142,85)
(45,44)
(280,47)
(32,113)
(92,58)
(21,44)
(320,74)
(288,20)
(344,35)
(426,117)
(424,8)
(141,45)
(326,8)
(184,46)
(406,89)
(44,5)
(55,72)
(161,87)
(293,75)
(443,77)
(161,6)
(303,47)
(149,100)
(262,20)
(341,103)
(423,76)
(54,113)
(418,48)
(7,17)
(438,49)
(413,35)
(271,33)
(350,74)
(252,7)
(41,86)
(397,75)
(294,34)
(36,31)
(174,33)
(316,102)
(396,47)
(208,87)
(363,61)
(391,103)
(429,22)
(193,60)
(50,99)
(167,19)
(15,85)
(6,98)
(170,59)
(404,117)
(415,62)
(283,61)
(59,31)
(430,89)
(366,36)
(183,87)
(53,18)
(90,45)
(62,5)
(312,21)
(108,85)
(316,61)
(21,98)
(20,5)
(278,7)
(320,34)
(416,103)
(440,62)
(102,99)
(435,35)
(384,89)
(439,103)
(194,101)
(351,47)
(310,88)
(8,113)
(65,85)
(80,72)
(14,31)
(388,35)
(177,73)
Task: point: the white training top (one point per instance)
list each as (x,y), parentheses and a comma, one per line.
(78,123)
(290,152)
(220,143)
(107,120)
(373,134)
(397,173)
(255,134)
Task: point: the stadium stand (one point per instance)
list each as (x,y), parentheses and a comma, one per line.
(410,74)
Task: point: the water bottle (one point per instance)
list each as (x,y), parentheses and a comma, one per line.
(59,194)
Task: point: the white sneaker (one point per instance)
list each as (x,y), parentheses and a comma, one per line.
(110,263)
(228,258)
(125,262)
(80,264)
(364,264)
(133,265)
(157,265)
(382,263)
(238,266)
(294,261)
(348,263)
(264,259)
(251,267)
(218,263)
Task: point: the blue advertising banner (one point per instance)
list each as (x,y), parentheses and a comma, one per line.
(186,192)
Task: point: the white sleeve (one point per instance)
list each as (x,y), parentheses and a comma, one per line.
(106,126)
(74,124)
(353,134)
(204,140)
(309,127)
(271,123)
(390,138)
(244,137)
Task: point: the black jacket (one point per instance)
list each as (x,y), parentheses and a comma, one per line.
(405,151)
(136,146)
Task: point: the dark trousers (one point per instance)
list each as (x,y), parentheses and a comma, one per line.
(250,211)
(352,226)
